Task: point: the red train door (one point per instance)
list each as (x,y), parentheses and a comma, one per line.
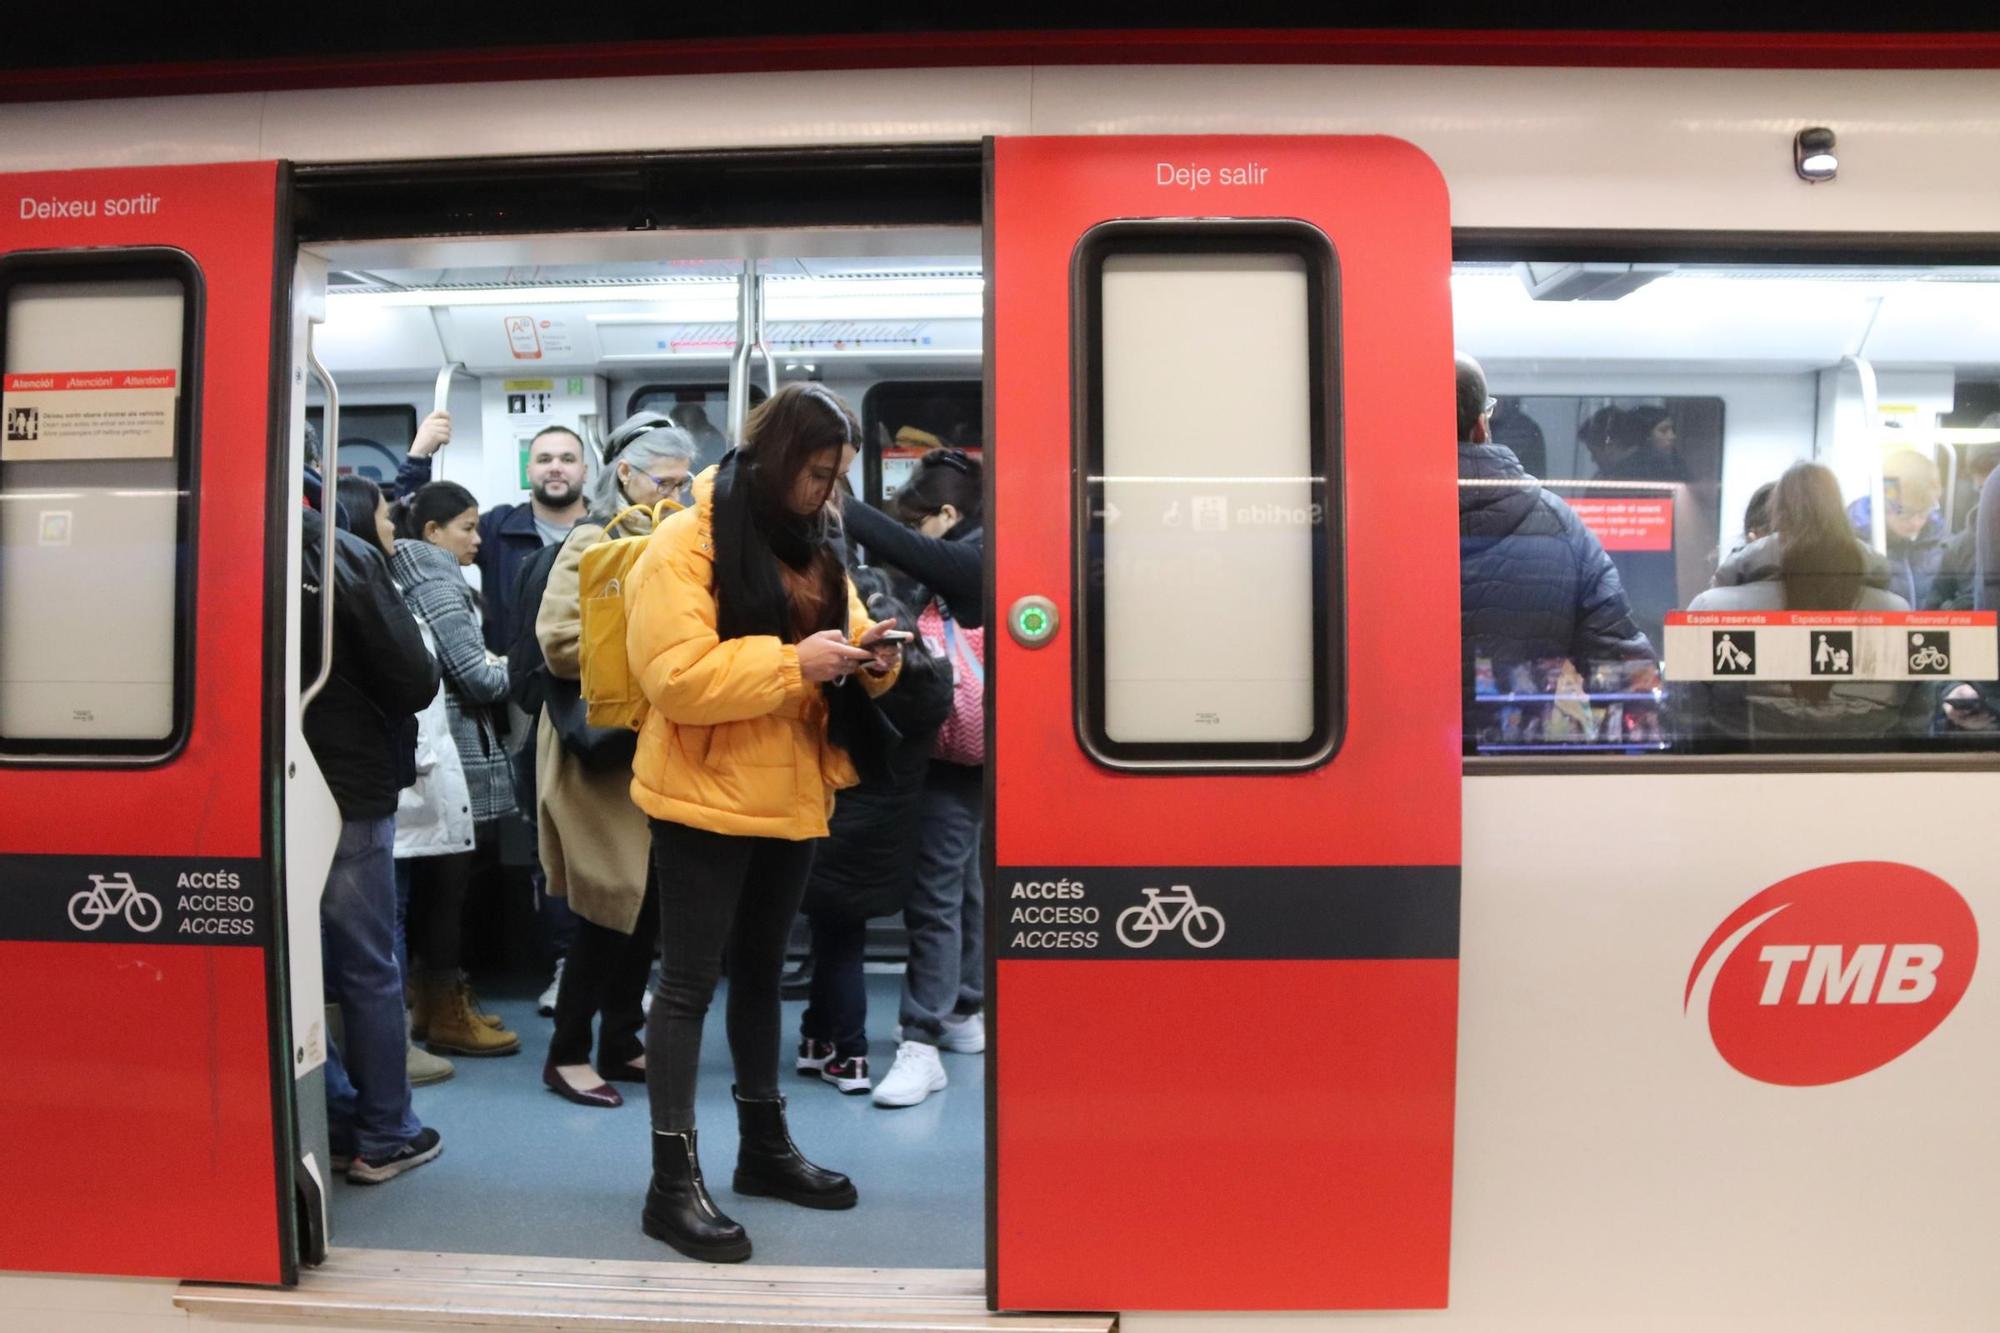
(1225,813)
(145,1112)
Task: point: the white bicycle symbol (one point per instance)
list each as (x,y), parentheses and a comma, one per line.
(1929,658)
(1200,926)
(88,907)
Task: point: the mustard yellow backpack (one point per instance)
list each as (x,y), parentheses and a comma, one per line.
(610,691)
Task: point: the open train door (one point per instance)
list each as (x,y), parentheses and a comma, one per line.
(145,1121)
(1225,714)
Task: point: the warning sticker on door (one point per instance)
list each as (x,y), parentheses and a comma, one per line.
(1832,646)
(63,416)
(1628,525)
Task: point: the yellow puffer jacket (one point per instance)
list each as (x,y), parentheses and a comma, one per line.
(735,739)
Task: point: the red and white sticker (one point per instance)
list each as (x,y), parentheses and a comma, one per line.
(1628,525)
(67,415)
(1832,646)
(1834,972)
(522,339)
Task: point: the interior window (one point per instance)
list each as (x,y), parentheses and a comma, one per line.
(374,439)
(1724,509)
(902,419)
(702,410)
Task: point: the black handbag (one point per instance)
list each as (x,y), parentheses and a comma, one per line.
(599,749)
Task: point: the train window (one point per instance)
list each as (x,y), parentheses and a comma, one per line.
(374,439)
(702,410)
(1712,509)
(97,554)
(902,419)
(1191,491)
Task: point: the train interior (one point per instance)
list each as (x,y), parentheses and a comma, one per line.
(1731,371)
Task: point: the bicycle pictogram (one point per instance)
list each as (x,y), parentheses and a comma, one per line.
(1200,926)
(88,907)
(1930,656)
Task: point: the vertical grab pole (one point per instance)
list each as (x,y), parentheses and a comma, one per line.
(739,361)
(749,341)
(327,525)
(1871,399)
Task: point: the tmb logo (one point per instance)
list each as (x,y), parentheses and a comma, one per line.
(1834,972)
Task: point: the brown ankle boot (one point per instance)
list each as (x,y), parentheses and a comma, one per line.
(418,998)
(454,1028)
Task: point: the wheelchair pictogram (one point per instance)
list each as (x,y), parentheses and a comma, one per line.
(1200,926)
(88,907)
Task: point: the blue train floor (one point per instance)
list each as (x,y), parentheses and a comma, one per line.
(525,1172)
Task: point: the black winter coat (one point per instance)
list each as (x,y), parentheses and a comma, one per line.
(951,567)
(362,727)
(1535,582)
(863,867)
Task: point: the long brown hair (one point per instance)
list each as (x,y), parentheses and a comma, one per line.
(785,431)
(1821,561)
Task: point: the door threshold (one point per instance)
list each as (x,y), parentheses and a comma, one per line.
(417,1289)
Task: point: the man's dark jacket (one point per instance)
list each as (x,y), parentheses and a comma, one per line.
(508,539)
(363,723)
(1534,581)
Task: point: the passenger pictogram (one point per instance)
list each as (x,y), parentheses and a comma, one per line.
(1833,652)
(1735,652)
(1200,926)
(89,907)
(1930,652)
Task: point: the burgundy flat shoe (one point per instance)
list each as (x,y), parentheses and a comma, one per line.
(603,1094)
(624,1074)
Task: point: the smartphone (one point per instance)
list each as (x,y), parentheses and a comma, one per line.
(890,636)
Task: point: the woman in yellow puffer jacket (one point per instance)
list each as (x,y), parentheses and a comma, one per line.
(743,630)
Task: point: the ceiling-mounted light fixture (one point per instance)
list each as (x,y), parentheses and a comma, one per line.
(1812,155)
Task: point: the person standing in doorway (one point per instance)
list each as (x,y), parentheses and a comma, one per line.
(743,631)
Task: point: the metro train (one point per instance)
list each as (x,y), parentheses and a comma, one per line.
(1541,1003)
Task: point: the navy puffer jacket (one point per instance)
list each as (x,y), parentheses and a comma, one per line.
(1535,582)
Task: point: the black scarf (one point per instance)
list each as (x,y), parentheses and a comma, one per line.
(753,532)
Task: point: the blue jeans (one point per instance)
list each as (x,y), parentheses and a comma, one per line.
(367,1085)
(946,975)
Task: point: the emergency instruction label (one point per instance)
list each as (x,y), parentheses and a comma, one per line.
(65,416)
(1234,912)
(1832,646)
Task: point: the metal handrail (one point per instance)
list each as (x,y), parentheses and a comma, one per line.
(441,402)
(328,528)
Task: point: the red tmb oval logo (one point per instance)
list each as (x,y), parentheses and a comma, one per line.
(1834,972)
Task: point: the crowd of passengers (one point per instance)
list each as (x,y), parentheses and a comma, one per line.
(1545,615)
(774,669)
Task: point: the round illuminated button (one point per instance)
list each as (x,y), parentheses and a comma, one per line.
(1033,621)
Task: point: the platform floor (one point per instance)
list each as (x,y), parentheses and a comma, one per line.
(525,1172)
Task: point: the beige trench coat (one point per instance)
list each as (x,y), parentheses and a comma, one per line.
(595,842)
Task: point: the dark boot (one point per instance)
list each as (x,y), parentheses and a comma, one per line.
(678,1209)
(769,1163)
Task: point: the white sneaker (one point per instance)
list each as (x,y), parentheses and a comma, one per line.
(967,1036)
(916,1074)
(546,1005)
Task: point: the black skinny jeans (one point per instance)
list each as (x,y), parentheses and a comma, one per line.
(605,973)
(440,889)
(719,892)
(838,1009)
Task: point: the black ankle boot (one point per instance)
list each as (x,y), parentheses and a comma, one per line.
(769,1163)
(678,1209)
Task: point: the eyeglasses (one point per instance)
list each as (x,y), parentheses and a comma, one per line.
(667,484)
(1487,410)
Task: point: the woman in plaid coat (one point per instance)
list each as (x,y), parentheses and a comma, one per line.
(437,535)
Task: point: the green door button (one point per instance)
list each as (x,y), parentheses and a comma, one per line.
(1033,621)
